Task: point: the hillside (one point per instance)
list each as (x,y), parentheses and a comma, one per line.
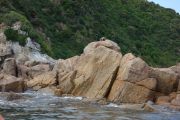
(64,27)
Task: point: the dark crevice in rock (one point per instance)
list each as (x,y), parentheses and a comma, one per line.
(57,78)
(16,71)
(112,82)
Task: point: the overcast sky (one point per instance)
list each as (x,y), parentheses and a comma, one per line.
(173,4)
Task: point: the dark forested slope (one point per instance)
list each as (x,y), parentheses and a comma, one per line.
(64,27)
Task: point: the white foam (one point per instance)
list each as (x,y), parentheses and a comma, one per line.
(73,98)
(112,105)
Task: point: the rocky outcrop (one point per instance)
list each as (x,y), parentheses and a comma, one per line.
(100,73)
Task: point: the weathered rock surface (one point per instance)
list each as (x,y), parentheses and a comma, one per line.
(10,67)
(96,72)
(167,80)
(176,101)
(43,80)
(162,100)
(130,93)
(10,83)
(106,43)
(149,83)
(31,72)
(67,65)
(66,81)
(130,85)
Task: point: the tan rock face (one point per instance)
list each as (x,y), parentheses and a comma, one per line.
(43,80)
(66,65)
(96,72)
(132,84)
(10,83)
(39,69)
(65,81)
(176,69)
(176,101)
(9,66)
(130,93)
(106,43)
(163,100)
(31,72)
(133,70)
(166,80)
(149,83)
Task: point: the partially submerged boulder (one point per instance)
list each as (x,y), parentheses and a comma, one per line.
(130,93)
(10,83)
(132,84)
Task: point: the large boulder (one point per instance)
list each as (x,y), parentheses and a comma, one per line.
(43,80)
(10,83)
(132,84)
(96,71)
(167,80)
(9,67)
(105,42)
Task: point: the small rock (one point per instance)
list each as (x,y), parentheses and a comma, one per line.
(163,100)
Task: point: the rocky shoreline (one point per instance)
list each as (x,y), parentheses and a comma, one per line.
(101,73)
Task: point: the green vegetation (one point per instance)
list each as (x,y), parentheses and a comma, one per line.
(64,27)
(14,36)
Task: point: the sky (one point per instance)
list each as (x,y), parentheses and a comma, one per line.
(173,4)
